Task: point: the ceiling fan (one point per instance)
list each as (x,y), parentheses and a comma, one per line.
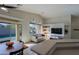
(10,5)
(5,7)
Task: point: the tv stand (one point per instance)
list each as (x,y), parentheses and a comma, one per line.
(57,36)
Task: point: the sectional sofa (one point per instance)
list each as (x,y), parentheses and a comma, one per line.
(49,47)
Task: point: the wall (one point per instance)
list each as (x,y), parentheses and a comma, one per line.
(75,25)
(25,19)
(64,19)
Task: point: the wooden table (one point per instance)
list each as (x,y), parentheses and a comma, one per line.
(16,46)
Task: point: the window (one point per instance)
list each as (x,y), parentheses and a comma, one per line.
(32,29)
(35,28)
(7,30)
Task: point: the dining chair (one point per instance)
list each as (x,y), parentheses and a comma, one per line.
(24,46)
(21,41)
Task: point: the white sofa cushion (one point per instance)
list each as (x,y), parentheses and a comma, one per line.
(34,39)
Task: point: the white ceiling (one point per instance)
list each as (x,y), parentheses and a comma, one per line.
(51,10)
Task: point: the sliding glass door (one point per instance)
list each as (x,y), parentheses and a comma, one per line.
(9,31)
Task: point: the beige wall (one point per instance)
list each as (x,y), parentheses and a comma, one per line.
(75,25)
(25,19)
(64,19)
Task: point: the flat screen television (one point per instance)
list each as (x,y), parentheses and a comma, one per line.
(56,30)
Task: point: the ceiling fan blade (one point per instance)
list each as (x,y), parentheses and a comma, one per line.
(7,6)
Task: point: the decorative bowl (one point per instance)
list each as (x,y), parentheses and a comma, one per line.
(9,44)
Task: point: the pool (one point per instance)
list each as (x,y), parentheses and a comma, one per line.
(6,36)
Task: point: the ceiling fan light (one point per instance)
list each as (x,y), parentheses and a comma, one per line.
(5,9)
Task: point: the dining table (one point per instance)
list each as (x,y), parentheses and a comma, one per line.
(5,51)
